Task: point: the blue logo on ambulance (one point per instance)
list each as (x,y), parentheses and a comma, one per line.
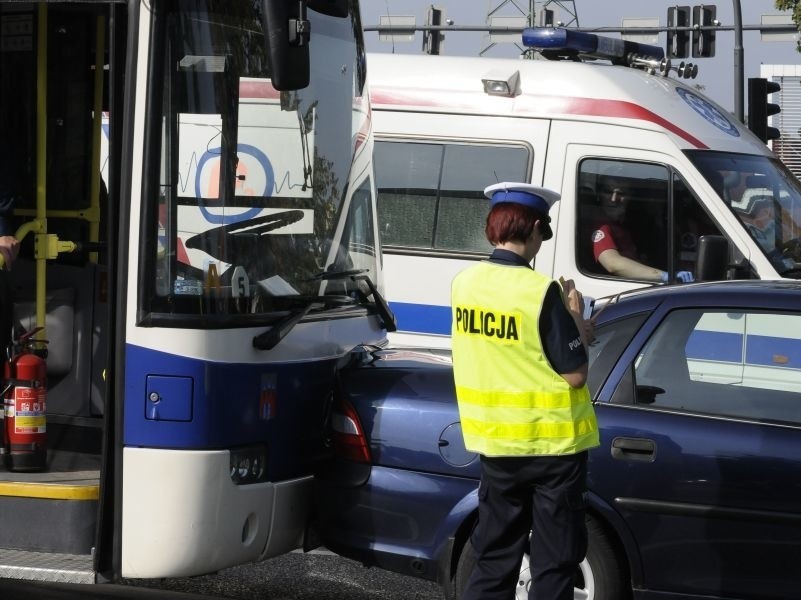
(255,177)
(708,111)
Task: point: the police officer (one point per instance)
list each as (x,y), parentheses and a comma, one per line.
(520,369)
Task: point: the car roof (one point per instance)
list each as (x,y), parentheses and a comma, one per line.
(755,293)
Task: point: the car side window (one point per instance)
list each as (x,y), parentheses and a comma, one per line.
(742,364)
(610,341)
(430,195)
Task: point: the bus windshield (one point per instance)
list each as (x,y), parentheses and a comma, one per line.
(765,197)
(249,195)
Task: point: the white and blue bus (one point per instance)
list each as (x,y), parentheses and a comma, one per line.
(195,200)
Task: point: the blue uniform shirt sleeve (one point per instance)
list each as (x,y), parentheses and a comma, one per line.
(561,340)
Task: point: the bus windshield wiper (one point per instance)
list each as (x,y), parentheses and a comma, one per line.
(299,307)
(270,338)
(384,311)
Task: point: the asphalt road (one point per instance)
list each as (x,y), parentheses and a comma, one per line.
(312,576)
(318,575)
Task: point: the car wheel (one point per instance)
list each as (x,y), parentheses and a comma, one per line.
(600,575)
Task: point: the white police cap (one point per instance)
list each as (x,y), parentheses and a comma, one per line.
(539,198)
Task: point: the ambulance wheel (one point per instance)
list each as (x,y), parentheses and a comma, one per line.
(601,575)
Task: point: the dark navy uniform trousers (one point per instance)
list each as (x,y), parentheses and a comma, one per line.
(544,496)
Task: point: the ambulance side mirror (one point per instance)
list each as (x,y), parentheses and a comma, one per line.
(713,258)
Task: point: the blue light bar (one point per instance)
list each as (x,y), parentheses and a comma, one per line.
(558,42)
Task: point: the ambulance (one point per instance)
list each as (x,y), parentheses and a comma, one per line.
(705,195)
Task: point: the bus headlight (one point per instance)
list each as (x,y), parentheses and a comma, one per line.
(248,465)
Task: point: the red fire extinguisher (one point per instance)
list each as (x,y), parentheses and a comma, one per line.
(25,399)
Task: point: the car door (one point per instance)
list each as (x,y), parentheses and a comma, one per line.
(701,450)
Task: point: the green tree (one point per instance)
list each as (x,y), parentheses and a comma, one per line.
(795,6)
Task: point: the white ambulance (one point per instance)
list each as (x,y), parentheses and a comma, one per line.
(447,127)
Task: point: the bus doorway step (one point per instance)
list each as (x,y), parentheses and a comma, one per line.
(45,566)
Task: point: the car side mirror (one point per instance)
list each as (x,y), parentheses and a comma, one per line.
(713,258)
(646,394)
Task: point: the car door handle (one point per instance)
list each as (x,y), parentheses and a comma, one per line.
(640,449)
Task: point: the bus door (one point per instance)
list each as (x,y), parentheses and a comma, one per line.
(60,69)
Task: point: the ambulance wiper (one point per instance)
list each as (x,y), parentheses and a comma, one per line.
(384,311)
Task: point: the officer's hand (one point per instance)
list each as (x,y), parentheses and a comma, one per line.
(574,301)
(573,298)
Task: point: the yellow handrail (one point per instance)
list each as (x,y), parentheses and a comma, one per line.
(48,246)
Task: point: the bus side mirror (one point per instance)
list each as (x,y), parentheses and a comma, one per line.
(332,8)
(287,32)
(713,258)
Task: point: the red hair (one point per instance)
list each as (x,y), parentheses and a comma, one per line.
(509,221)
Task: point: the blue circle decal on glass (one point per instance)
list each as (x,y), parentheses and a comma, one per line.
(708,111)
(242,149)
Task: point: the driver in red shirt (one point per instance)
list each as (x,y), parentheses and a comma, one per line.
(612,245)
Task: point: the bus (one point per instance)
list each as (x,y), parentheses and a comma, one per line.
(195,204)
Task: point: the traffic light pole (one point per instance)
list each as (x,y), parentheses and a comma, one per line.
(738,61)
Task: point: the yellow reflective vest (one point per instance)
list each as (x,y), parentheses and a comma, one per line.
(511,401)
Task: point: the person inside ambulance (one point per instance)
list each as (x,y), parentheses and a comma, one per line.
(756,211)
(612,244)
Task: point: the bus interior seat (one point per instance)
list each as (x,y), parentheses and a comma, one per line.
(60,306)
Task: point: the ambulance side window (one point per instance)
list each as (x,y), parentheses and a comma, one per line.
(623,209)
(430,195)
(627,213)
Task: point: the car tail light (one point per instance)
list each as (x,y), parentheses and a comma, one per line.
(350,442)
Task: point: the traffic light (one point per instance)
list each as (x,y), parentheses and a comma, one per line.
(678,41)
(433,40)
(759,109)
(703,39)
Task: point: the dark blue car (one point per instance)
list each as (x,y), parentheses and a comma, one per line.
(695,491)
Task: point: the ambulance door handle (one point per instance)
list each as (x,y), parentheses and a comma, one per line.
(638,449)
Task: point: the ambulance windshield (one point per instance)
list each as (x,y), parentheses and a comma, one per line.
(766,198)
